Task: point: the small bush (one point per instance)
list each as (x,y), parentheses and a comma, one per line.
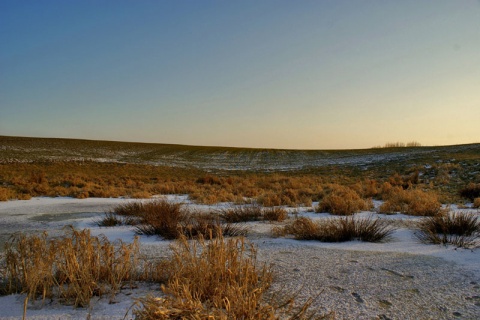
(173,220)
(162,218)
(459,229)
(242,214)
(476,203)
(111,219)
(252,213)
(5,194)
(269,199)
(471,191)
(130,209)
(343,201)
(412,201)
(274,214)
(338,229)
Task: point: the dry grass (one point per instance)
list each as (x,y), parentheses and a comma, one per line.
(457,228)
(275,214)
(73,268)
(411,201)
(174,220)
(343,201)
(111,219)
(217,279)
(58,167)
(338,229)
(476,203)
(470,191)
(248,213)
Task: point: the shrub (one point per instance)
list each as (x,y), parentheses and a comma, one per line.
(476,202)
(269,199)
(343,201)
(459,229)
(161,218)
(471,191)
(412,201)
(242,214)
(5,194)
(111,219)
(73,268)
(129,209)
(274,214)
(173,220)
(338,229)
(248,213)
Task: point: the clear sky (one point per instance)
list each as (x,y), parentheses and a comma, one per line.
(277,74)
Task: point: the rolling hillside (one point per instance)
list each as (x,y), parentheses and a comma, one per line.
(20,149)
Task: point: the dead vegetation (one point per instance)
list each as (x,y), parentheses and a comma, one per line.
(337,229)
(451,179)
(73,268)
(343,201)
(218,279)
(246,213)
(456,228)
(171,220)
(411,201)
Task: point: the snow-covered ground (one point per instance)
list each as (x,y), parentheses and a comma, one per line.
(399,279)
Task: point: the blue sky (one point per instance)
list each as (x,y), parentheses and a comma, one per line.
(277,74)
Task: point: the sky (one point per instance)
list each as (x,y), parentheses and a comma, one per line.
(266,74)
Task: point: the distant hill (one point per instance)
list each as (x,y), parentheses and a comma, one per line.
(23,149)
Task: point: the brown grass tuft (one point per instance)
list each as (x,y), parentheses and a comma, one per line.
(457,228)
(248,213)
(476,202)
(470,191)
(217,279)
(73,268)
(173,220)
(343,201)
(412,201)
(338,229)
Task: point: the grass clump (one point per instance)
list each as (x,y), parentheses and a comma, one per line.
(457,228)
(242,213)
(112,219)
(476,202)
(172,220)
(470,191)
(275,214)
(73,268)
(216,279)
(338,229)
(248,213)
(411,201)
(343,201)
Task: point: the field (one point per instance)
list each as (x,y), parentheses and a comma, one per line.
(381,233)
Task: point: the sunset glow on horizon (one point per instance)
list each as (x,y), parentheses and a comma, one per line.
(266,74)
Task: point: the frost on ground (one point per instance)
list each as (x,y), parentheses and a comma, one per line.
(400,279)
